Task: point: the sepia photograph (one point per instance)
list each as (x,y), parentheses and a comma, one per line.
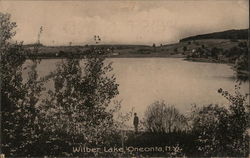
(124,78)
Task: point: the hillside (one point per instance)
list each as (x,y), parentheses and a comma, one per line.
(229,34)
(187,47)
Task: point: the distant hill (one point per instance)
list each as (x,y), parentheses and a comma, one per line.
(229,34)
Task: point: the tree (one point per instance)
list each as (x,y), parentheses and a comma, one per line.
(18,98)
(163,118)
(215,52)
(11,85)
(242,44)
(176,50)
(241,63)
(154,47)
(6,31)
(79,104)
(241,66)
(184,48)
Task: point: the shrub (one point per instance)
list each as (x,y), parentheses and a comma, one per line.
(163,118)
(238,118)
(210,125)
(221,131)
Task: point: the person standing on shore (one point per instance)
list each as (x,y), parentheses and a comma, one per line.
(136,122)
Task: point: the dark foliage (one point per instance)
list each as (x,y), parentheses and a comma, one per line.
(230,34)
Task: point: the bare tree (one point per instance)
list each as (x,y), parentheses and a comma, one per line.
(161,117)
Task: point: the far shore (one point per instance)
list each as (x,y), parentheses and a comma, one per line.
(115,56)
(205,60)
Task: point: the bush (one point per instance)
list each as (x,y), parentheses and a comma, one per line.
(221,131)
(210,126)
(163,118)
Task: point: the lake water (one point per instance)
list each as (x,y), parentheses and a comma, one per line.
(174,80)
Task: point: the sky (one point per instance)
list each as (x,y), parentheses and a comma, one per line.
(123,22)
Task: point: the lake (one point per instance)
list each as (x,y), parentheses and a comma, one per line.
(180,83)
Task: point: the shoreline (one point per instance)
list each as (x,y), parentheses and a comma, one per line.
(203,60)
(113,56)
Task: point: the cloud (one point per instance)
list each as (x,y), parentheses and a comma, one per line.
(136,22)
